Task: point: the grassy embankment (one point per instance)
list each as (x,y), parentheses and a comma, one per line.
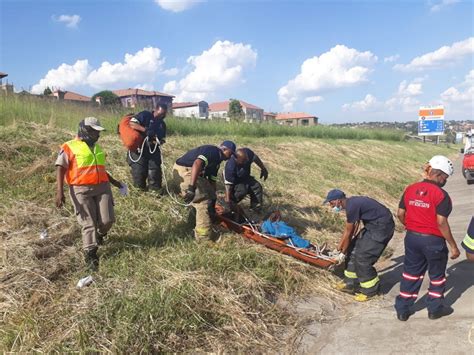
(157,290)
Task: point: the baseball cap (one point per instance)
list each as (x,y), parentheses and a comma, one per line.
(229,145)
(93,123)
(334,194)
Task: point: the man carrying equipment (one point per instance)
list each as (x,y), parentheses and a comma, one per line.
(146,163)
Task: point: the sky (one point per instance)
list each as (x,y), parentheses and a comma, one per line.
(343,61)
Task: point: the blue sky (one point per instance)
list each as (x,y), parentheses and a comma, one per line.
(342,61)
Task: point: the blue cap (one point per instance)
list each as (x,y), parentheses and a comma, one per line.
(334,195)
(229,145)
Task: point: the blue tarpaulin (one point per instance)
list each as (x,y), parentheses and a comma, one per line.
(281,230)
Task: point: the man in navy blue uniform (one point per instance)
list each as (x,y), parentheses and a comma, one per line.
(196,173)
(468,242)
(364,249)
(424,209)
(146,164)
(238,179)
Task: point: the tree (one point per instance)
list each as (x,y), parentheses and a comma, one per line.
(107,98)
(47,91)
(235,110)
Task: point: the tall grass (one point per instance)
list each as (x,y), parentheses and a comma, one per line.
(66,115)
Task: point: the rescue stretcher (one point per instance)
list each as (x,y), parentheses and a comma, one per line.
(249,231)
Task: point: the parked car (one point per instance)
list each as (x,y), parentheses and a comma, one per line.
(468,166)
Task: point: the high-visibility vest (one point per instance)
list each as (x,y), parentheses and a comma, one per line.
(86,167)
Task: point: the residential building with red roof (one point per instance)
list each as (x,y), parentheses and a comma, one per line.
(70,96)
(296,119)
(138,98)
(191,109)
(252,113)
(269,116)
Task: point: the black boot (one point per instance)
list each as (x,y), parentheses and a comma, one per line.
(101,238)
(92,259)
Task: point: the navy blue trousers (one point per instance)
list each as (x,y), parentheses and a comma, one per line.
(423,253)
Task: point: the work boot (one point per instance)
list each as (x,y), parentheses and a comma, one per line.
(444,311)
(360,297)
(344,287)
(92,259)
(101,238)
(403,317)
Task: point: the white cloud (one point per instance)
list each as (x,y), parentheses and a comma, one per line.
(442,4)
(137,70)
(392,58)
(65,76)
(404,100)
(139,67)
(176,5)
(464,93)
(313,99)
(71,21)
(339,67)
(171,72)
(440,57)
(221,66)
(369,103)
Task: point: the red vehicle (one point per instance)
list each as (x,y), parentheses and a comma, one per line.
(468,166)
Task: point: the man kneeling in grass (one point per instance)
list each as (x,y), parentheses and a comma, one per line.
(239,182)
(364,249)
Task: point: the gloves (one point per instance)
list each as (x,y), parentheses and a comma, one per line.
(264,174)
(123,189)
(189,194)
(150,133)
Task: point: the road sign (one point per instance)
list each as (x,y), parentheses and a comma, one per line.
(431,121)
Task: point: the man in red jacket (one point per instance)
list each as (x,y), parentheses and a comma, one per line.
(424,209)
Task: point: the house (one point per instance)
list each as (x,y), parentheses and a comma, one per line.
(143,98)
(252,113)
(269,116)
(296,119)
(5,88)
(70,96)
(191,109)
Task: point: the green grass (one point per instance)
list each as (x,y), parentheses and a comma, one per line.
(157,290)
(66,115)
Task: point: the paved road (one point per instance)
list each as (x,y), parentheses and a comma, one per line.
(372,327)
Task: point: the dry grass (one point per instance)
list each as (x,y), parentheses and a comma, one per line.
(157,290)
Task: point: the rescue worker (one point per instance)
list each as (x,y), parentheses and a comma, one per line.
(238,179)
(423,210)
(81,163)
(196,173)
(468,242)
(146,164)
(364,249)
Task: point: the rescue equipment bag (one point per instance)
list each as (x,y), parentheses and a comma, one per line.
(131,139)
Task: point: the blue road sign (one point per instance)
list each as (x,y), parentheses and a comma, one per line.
(428,127)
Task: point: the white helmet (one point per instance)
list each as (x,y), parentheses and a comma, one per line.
(442,163)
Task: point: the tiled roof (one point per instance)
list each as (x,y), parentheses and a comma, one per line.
(269,114)
(184,104)
(224,106)
(293,116)
(131,92)
(69,95)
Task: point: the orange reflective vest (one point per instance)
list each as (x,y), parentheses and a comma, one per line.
(86,167)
